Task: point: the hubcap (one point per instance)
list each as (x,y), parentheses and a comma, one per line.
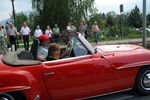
(3,98)
(146,80)
(6,96)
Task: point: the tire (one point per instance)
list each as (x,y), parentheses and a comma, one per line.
(142,82)
(12,96)
(6,96)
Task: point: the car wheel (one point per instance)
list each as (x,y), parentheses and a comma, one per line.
(142,83)
(12,96)
(6,96)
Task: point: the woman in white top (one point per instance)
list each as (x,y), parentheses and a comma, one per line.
(38,32)
(49,33)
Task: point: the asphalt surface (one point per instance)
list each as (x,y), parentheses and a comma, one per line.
(127,95)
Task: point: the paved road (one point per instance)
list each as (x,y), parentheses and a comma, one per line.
(127,95)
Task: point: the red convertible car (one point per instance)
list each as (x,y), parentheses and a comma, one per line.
(86,71)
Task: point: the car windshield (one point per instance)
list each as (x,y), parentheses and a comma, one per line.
(78,48)
(86,43)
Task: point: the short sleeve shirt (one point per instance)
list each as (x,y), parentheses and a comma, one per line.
(37,33)
(42,51)
(2,33)
(25,30)
(12,31)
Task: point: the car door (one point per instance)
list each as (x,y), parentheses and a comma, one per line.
(77,77)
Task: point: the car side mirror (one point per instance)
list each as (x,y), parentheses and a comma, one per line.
(95,50)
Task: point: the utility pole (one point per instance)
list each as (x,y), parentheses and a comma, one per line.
(144,24)
(14,16)
(121,12)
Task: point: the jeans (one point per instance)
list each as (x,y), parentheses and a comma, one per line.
(96,36)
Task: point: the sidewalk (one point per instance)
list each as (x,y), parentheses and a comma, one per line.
(125,41)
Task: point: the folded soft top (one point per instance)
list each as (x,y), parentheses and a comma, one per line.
(20,58)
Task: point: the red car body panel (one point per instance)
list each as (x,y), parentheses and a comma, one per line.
(76,77)
(112,68)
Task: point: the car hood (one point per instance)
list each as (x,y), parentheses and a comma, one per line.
(118,48)
(109,50)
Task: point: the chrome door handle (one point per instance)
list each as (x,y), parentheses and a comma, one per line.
(50,73)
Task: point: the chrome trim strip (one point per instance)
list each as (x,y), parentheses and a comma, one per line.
(104,94)
(65,59)
(86,43)
(132,66)
(16,90)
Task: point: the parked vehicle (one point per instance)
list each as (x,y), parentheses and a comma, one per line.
(86,71)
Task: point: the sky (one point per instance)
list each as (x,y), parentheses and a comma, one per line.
(102,5)
(105,6)
(20,5)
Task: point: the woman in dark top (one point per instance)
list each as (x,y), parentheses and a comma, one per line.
(53,52)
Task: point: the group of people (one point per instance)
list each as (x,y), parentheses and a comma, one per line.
(51,51)
(10,34)
(47,50)
(53,34)
(83,30)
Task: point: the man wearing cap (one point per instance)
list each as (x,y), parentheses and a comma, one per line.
(42,51)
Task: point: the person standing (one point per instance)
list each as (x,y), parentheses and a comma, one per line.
(71,29)
(49,33)
(3,48)
(12,34)
(86,31)
(82,29)
(7,32)
(56,32)
(38,32)
(96,31)
(25,33)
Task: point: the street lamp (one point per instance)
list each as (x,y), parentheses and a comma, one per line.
(14,16)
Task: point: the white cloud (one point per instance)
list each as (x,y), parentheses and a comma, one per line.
(5,9)
(113,5)
(20,5)
(110,2)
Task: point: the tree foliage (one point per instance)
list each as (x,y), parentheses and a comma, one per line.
(20,18)
(148,19)
(61,12)
(135,18)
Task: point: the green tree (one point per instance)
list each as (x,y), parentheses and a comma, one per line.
(148,19)
(110,18)
(135,18)
(100,18)
(20,18)
(61,12)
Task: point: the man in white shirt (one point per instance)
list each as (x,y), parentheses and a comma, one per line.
(38,32)
(25,33)
(12,34)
